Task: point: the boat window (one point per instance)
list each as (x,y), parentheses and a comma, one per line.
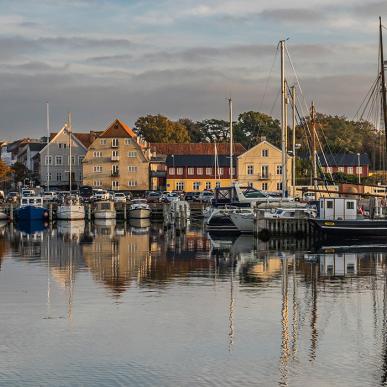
(350,268)
(254,194)
(350,205)
(329,203)
(24,201)
(105,206)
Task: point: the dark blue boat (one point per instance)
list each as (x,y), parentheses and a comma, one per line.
(31,208)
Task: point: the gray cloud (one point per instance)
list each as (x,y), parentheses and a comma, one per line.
(293,15)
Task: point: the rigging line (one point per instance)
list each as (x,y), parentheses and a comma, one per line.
(371,95)
(275,102)
(269,77)
(370,91)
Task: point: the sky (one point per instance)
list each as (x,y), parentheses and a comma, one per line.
(105,58)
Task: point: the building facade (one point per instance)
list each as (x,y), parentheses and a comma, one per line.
(55,160)
(348,163)
(196,167)
(261,167)
(117,160)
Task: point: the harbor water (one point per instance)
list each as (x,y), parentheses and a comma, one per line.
(110,304)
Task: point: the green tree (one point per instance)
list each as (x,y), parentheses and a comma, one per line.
(252,126)
(194,130)
(21,172)
(158,128)
(214,130)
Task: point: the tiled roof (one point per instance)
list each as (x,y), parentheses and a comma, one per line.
(195,149)
(198,161)
(85,138)
(344,159)
(118,128)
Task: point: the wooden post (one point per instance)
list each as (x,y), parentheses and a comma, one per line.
(50,212)
(11,212)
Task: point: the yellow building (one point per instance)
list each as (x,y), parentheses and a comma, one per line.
(261,167)
(117,160)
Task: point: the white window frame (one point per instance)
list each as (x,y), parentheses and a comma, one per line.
(250,169)
(97,154)
(127,141)
(58,157)
(265,152)
(97,168)
(265,186)
(48,160)
(171,171)
(208,185)
(180,186)
(359,170)
(266,174)
(80,159)
(103,141)
(209,171)
(132,168)
(340,169)
(115,142)
(179,171)
(196,185)
(221,171)
(199,171)
(191,171)
(279,169)
(132,183)
(132,154)
(350,170)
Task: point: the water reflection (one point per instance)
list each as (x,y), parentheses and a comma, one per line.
(294,309)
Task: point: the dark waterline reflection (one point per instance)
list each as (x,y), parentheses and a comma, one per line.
(115,304)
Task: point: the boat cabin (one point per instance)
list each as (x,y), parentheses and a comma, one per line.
(337,209)
(35,201)
(105,205)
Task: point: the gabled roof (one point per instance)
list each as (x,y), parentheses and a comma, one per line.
(198,161)
(264,142)
(118,129)
(195,149)
(85,138)
(344,160)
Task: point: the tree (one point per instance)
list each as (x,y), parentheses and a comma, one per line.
(158,128)
(5,170)
(21,172)
(194,130)
(252,126)
(214,130)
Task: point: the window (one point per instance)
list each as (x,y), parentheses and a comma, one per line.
(279,169)
(199,171)
(132,154)
(58,160)
(329,204)
(196,185)
(97,168)
(102,141)
(221,171)
(115,170)
(115,184)
(171,171)
(72,160)
(48,160)
(217,184)
(359,170)
(250,169)
(132,168)
(264,186)
(329,169)
(340,169)
(190,171)
(350,268)
(58,176)
(180,185)
(115,156)
(132,183)
(80,159)
(97,154)
(349,170)
(208,171)
(279,186)
(265,171)
(265,152)
(179,171)
(350,205)
(59,145)
(208,185)
(97,183)
(115,142)
(127,141)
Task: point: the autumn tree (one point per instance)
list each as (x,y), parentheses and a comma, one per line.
(5,170)
(158,128)
(214,130)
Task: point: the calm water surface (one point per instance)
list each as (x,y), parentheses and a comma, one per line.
(115,305)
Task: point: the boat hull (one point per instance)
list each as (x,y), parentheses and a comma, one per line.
(139,213)
(221,222)
(105,214)
(351,228)
(245,223)
(28,213)
(72,212)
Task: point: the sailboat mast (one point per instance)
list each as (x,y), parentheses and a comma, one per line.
(231,141)
(70,153)
(314,147)
(283,123)
(384,99)
(294,140)
(215,161)
(48,145)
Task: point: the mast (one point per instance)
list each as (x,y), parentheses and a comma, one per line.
(48,145)
(314,152)
(294,139)
(384,99)
(216,162)
(70,153)
(231,140)
(283,119)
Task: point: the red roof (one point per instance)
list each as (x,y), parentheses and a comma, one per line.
(118,128)
(195,149)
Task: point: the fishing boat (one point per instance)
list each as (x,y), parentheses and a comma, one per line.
(71,208)
(31,208)
(139,209)
(338,217)
(105,209)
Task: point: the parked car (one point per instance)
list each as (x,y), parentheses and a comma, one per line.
(12,197)
(100,194)
(206,196)
(172,197)
(50,196)
(189,196)
(119,197)
(153,197)
(86,192)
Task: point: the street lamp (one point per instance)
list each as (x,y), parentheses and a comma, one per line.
(358,167)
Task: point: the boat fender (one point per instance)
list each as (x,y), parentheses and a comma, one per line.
(45,214)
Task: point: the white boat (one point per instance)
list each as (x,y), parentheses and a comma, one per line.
(139,209)
(104,210)
(243,219)
(3,215)
(71,209)
(73,229)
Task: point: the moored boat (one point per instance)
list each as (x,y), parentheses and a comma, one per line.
(105,210)
(139,209)
(31,208)
(71,209)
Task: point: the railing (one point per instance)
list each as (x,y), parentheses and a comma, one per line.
(115,158)
(115,173)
